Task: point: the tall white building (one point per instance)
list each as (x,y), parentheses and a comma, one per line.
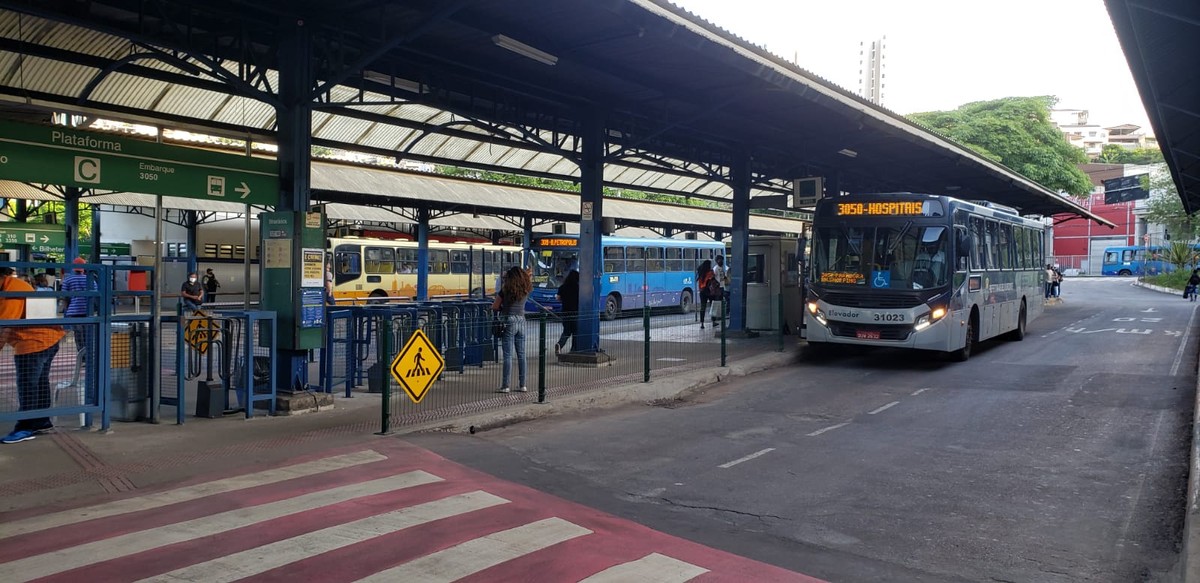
(871,71)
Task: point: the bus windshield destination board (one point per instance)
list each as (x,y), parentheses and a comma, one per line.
(892,208)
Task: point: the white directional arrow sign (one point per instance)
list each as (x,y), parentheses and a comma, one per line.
(45,239)
(243,190)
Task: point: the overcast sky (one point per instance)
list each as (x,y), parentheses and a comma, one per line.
(943,53)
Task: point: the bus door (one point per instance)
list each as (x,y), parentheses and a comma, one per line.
(656,286)
(347,267)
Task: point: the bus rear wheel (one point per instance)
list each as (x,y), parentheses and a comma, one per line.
(1125,272)
(685,301)
(612,307)
(964,353)
(1018,334)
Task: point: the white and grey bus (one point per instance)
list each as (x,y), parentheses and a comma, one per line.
(921,271)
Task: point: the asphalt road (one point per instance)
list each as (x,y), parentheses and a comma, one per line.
(1062,457)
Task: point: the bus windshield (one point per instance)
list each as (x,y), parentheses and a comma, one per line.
(551,266)
(904,256)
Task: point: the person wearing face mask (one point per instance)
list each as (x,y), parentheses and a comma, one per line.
(191,293)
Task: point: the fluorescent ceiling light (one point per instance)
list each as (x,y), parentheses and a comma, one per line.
(848,153)
(524,50)
(397,82)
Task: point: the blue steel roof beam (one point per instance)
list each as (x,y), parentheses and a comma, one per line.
(375,53)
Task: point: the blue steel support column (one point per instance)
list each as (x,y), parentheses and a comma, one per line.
(740,177)
(294,120)
(423,254)
(591,195)
(71,222)
(526,238)
(192,221)
(95,258)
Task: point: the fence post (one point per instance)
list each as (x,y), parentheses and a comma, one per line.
(724,306)
(541,357)
(646,342)
(386,335)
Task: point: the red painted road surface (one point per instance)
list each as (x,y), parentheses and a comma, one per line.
(387,511)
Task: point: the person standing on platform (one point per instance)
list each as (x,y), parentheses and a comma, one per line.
(210,286)
(79,306)
(34,348)
(510,302)
(568,294)
(191,293)
(704,275)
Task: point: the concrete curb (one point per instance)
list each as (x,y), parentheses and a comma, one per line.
(667,388)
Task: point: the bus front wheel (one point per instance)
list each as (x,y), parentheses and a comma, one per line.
(612,307)
(685,301)
(964,353)
(1125,272)
(377,297)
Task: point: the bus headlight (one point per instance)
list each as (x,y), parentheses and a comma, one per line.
(817,313)
(812,308)
(928,320)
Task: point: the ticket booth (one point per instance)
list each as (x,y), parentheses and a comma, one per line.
(772,276)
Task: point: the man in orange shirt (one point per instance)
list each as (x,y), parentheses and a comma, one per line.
(34,348)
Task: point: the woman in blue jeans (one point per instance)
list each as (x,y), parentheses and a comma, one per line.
(510,302)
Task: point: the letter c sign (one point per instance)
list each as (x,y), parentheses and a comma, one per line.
(87,170)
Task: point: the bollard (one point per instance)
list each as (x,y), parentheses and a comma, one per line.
(646,342)
(385,340)
(722,318)
(782,326)
(541,358)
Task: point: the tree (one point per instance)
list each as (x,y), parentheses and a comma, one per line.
(1118,154)
(1015,132)
(1165,208)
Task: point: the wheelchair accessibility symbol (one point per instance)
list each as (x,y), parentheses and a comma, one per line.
(881,279)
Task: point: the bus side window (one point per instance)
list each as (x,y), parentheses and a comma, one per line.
(635,261)
(614,259)
(962,249)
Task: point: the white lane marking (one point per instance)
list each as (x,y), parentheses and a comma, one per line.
(262,559)
(69,558)
(884,408)
(652,568)
(1183,344)
(188,493)
(747,458)
(482,553)
(919,391)
(830,428)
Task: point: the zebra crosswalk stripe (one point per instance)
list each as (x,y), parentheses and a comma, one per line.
(652,568)
(264,558)
(476,555)
(188,493)
(120,546)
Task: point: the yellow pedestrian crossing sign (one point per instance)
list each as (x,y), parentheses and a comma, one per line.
(199,333)
(417,365)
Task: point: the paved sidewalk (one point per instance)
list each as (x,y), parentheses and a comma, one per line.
(71,464)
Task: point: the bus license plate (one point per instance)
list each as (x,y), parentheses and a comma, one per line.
(867,334)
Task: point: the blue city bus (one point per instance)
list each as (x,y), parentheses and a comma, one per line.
(1135,260)
(921,271)
(637,272)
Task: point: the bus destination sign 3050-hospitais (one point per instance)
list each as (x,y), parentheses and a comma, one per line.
(891,208)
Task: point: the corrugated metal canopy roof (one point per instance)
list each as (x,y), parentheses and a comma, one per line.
(1161,41)
(681,100)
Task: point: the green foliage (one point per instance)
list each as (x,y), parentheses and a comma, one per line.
(1175,280)
(1179,254)
(1117,154)
(36,213)
(1015,132)
(1164,207)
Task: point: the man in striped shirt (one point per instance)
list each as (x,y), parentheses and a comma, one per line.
(79,306)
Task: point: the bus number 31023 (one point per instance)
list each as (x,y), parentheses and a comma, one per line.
(889,317)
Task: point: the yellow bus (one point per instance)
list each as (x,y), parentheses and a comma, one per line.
(380,268)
